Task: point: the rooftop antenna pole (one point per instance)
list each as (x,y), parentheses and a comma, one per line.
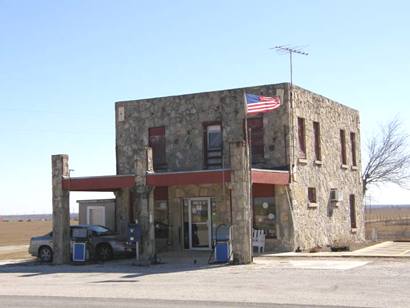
(286,49)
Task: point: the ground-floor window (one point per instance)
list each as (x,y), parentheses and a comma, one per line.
(264,215)
(161,219)
(161,212)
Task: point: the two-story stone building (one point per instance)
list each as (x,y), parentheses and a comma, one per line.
(185,163)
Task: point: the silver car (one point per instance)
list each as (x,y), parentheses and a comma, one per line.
(102,243)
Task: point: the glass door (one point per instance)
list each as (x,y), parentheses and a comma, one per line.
(199,210)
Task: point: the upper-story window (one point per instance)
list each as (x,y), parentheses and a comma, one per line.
(352,203)
(157,143)
(302,137)
(213,146)
(343,146)
(353,145)
(255,126)
(316,136)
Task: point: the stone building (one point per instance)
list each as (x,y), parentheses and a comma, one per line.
(184,168)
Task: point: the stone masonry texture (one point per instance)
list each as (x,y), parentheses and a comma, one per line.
(299,223)
(61,210)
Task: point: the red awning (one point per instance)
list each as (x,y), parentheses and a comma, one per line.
(99,183)
(264,176)
(116,182)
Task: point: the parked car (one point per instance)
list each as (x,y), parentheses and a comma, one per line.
(102,243)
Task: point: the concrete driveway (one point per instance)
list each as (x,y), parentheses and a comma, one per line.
(382,250)
(385,249)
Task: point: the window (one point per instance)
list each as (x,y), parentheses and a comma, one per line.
(343,146)
(312,195)
(302,137)
(353,144)
(157,143)
(352,202)
(213,146)
(316,133)
(264,216)
(255,126)
(161,213)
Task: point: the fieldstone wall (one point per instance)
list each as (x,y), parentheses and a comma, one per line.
(284,223)
(183,117)
(326,222)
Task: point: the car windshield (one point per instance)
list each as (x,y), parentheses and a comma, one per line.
(100,230)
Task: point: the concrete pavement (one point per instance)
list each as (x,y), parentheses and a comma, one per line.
(67,302)
(328,282)
(387,249)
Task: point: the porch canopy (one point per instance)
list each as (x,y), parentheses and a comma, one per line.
(98,183)
(116,182)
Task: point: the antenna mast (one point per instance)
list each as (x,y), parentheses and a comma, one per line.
(285,49)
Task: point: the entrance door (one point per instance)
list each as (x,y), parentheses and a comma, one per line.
(199,215)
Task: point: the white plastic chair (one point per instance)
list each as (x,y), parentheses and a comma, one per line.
(258,240)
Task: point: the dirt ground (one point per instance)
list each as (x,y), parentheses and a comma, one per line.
(18,234)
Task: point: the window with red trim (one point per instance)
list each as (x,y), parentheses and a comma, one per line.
(302,137)
(353,144)
(255,126)
(343,146)
(157,143)
(352,203)
(213,145)
(316,135)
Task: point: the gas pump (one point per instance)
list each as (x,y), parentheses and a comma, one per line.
(223,244)
(79,244)
(134,237)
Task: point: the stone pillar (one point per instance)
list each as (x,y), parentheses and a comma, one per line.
(61,210)
(145,205)
(241,208)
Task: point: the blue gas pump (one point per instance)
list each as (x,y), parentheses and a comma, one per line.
(80,252)
(134,237)
(223,244)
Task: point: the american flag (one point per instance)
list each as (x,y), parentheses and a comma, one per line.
(257,103)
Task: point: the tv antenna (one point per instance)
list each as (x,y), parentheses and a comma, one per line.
(286,49)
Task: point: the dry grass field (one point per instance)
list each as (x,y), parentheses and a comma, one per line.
(388,223)
(20,232)
(15,237)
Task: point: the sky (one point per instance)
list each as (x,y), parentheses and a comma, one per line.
(63,65)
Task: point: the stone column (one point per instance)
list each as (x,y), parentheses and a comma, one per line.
(145,205)
(241,208)
(61,210)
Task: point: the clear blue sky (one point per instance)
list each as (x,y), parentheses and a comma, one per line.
(63,64)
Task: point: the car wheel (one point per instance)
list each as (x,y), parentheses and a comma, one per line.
(104,252)
(45,254)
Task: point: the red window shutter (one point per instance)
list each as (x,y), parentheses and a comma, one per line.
(256,139)
(157,143)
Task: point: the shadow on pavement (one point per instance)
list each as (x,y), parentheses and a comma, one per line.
(171,263)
